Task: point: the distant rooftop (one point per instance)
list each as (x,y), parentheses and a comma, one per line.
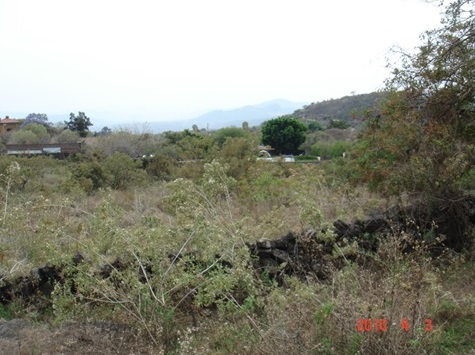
(7,119)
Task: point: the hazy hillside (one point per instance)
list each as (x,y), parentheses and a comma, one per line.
(338,109)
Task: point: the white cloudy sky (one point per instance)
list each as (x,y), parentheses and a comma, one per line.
(177,58)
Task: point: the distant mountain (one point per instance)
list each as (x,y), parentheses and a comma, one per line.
(340,109)
(252,114)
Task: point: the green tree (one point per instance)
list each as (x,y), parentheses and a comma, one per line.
(284,134)
(24,137)
(39,118)
(79,123)
(33,133)
(423,141)
(315,126)
(67,136)
(40,132)
(105,131)
(221,135)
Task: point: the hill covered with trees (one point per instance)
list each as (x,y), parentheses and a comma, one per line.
(347,108)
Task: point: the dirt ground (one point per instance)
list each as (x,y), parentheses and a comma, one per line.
(18,336)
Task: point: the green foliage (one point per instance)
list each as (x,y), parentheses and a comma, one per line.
(339,124)
(423,140)
(123,172)
(104,131)
(284,134)
(315,126)
(178,252)
(67,136)
(159,166)
(196,147)
(222,134)
(89,175)
(331,150)
(40,132)
(338,109)
(239,154)
(5,313)
(24,137)
(188,146)
(79,123)
(38,118)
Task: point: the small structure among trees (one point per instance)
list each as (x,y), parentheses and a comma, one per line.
(8,124)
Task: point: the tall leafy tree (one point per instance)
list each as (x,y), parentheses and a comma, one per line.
(423,140)
(39,118)
(284,134)
(79,123)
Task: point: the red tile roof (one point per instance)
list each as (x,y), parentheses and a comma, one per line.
(8,120)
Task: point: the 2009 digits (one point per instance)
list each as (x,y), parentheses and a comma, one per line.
(382,325)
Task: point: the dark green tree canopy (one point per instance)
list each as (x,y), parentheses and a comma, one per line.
(79,123)
(284,134)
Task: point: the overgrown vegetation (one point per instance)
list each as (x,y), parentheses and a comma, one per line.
(162,231)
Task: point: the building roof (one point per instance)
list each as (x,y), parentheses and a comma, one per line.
(8,120)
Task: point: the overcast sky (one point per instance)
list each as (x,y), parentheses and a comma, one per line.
(178,58)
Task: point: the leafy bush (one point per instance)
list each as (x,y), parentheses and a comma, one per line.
(221,135)
(239,154)
(123,172)
(159,166)
(24,137)
(89,175)
(67,136)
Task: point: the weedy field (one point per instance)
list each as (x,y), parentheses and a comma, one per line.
(100,256)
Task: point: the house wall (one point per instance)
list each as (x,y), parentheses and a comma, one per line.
(8,125)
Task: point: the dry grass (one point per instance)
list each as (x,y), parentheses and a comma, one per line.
(303,317)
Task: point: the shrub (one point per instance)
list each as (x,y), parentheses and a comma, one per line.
(331,150)
(39,130)
(67,136)
(122,171)
(24,137)
(89,175)
(221,135)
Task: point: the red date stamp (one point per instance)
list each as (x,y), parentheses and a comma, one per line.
(382,325)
